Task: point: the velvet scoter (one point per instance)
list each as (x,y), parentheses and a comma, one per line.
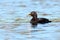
(35,20)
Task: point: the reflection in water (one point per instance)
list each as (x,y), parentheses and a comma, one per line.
(33,26)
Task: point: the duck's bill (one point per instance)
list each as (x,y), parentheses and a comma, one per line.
(30,14)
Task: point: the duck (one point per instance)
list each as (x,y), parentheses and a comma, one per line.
(35,20)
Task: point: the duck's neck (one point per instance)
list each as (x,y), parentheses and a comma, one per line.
(35,17)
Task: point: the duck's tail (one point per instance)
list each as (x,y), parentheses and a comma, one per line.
(50,21)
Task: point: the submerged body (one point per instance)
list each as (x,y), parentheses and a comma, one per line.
(35,20)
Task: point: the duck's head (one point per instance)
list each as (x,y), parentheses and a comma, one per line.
(33,14)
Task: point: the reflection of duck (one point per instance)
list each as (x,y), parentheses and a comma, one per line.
(35,20)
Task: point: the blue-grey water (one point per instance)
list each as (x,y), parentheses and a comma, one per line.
(14,20)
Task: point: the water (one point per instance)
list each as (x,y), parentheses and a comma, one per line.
(14,20)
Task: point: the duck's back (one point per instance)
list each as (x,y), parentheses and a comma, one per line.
(43,20)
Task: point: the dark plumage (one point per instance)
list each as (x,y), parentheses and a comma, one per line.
(34,21)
